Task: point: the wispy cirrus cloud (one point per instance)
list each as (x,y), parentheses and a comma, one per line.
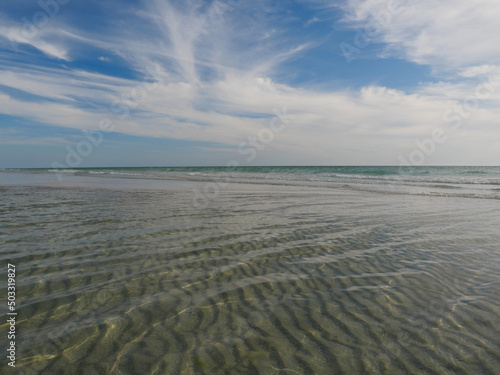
(217,78)
(44,38)
(449,34)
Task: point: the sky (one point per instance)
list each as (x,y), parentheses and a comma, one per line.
(103,83)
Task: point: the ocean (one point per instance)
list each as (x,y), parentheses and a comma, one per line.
(252,270)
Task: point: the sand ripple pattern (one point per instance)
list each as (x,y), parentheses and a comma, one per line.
(265,281)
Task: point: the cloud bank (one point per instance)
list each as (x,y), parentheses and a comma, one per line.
(209,72)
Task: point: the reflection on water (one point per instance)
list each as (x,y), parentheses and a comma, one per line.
(267,280)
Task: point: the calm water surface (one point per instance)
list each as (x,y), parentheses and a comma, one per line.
(123,276)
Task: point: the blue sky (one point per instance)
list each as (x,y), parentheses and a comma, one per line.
(363,82)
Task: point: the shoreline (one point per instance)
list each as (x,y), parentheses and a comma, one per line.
(205,186)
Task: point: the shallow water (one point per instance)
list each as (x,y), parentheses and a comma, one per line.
(454,181)
(128,277)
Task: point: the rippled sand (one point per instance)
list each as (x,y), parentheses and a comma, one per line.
(265,280)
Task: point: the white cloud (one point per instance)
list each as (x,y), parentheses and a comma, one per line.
(443,33)
(480,70)
(217,86)
(311,21)
(326,127)
(39,41)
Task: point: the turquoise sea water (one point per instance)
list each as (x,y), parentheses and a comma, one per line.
(270,270)
(472,182)
(437,174)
